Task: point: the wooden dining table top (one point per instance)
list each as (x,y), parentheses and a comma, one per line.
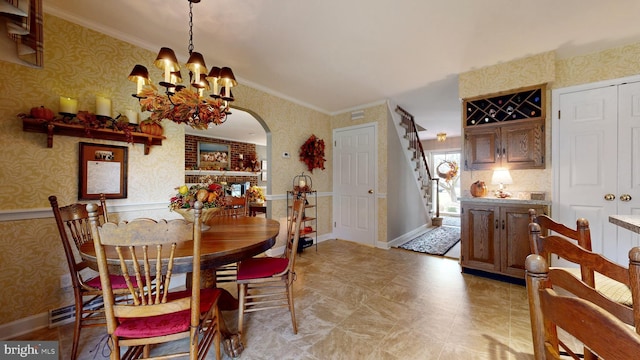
(229,239)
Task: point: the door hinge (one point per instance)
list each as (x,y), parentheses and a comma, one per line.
(558,114)
(334,224)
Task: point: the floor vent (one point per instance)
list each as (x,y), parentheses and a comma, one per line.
(66,314)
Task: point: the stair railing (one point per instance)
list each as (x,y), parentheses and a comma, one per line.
(416,145)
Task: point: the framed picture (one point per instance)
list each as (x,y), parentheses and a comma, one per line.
(103,170)
(213,156)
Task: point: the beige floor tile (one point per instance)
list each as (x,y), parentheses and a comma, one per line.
(358,302)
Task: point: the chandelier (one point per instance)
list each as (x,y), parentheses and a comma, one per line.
(441,136)
(179,103)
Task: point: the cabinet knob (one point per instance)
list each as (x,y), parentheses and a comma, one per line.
(370,191)
(625,197)
(609,197)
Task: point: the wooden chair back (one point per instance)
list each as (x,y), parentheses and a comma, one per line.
(145,249)
(596,321)
(589,262)
(581,235)
(234,206)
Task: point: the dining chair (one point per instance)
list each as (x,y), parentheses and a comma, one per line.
(145,251)
(73,226)
(559,245)
(560,300)
(615,290)
(232,206)
(266,283)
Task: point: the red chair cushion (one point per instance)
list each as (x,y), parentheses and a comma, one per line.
(168,323)
(154,325)
(256,268)
(117,282)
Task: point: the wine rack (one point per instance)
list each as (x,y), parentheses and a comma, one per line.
(522,104)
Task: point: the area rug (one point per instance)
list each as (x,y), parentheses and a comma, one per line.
(435,242)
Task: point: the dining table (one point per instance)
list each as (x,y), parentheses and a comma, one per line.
(228,239)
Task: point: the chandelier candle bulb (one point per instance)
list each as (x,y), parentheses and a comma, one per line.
(68,105)
(103,106)
(302,183)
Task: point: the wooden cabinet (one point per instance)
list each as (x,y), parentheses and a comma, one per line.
(505,130)
(518,145)
(494,236)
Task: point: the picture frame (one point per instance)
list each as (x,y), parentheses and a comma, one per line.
(103,170)
(213,156)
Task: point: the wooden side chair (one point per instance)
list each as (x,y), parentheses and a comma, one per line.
(233,206)
(541,277)
(592,319)
(73,226)
(266,283)
(145,251)
(619,292)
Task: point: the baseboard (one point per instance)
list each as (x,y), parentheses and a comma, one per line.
(24,326)
(408,236)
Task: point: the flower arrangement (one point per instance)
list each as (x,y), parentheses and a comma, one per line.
(255,194)
(207,191)
(185,106)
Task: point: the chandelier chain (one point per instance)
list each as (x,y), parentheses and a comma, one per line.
(190,48)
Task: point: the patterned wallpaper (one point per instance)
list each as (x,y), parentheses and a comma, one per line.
(82,63)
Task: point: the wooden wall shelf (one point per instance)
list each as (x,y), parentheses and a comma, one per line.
(36,125)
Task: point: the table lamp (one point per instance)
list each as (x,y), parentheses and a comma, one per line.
(501,177)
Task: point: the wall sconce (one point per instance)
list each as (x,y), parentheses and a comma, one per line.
(501,177)
(441,136)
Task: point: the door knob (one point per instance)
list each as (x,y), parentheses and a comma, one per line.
(609,197)
(370,191)
(625,197)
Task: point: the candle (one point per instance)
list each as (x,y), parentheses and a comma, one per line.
(68,105)
(302,183)
(132,115)
(103,106)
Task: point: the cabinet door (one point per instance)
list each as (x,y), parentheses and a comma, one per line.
(514,238)
(482,146)
(480,238)
(522,145)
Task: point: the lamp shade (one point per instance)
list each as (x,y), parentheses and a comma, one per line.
(501,176)
(166,57)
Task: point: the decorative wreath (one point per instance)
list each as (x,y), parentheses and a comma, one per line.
(312,153)
(451,173)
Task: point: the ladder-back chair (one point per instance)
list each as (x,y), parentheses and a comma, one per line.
(266,283)
(540,275)
(145,251)
(72,222)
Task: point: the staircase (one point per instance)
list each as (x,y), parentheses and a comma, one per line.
(408,133)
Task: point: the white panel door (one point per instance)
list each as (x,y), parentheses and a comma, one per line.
(628,174)
(354,184)
(587,153)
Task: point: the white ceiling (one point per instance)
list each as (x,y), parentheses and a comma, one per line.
(340,55)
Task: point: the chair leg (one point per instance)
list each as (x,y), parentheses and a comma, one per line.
(291,307)
(242,292)
(76,329)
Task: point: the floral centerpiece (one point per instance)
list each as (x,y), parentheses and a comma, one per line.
(207,192)
(255,195)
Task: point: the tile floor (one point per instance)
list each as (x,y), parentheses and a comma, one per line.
(358,302)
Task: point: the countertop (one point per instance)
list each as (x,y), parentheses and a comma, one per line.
(507,201)
(629,222)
